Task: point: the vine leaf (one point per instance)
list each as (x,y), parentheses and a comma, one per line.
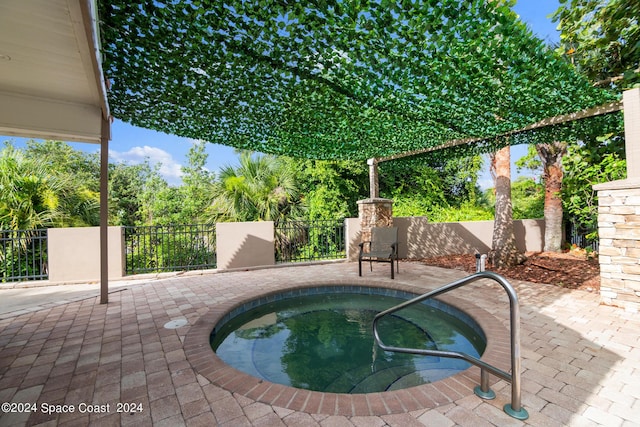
(339,79)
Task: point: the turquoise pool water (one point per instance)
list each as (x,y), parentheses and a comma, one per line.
(324,341)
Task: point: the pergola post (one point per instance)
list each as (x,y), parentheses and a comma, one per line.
(104,211)
(374,211)
(619,220)
(374,189)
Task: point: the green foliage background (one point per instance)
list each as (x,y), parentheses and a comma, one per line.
(594,162)
(261,188)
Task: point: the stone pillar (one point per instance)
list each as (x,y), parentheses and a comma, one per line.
(619,220)
(619,232)
(374,212)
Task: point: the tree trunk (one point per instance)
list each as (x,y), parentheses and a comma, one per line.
(551,157)
(504,252)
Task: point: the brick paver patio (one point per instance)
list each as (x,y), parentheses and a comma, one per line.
(580,365)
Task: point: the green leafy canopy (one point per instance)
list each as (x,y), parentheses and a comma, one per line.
(602,39)
(335,79)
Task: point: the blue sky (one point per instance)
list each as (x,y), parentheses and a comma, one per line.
(535,13)
(132,144)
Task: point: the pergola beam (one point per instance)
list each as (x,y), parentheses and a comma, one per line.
(564,118)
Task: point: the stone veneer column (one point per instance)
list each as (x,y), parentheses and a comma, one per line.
(374,212)
(619,232)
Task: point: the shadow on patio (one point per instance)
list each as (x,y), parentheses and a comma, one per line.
(579,358)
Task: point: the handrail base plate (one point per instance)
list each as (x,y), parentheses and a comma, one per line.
(522,414)
(486,395)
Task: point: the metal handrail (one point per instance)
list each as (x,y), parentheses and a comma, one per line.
(514,409)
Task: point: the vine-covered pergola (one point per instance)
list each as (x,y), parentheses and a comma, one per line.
(342,79)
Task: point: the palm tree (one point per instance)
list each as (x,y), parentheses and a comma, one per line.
(261,188)
(551,156)
(28,194)
(28,201)
(34,195)
(504,252)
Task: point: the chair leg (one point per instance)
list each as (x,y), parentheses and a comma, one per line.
(359,267)
(392,276)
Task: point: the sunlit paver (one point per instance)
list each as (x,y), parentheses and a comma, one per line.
(581,360)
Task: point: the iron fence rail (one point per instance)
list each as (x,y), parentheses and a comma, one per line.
(298,241)
(576,235)
(152,249)
(161,248)
(23,255)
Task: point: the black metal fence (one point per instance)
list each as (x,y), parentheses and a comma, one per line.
(581,237)
(150,249)
(310,240)
(23,255)
(153,249)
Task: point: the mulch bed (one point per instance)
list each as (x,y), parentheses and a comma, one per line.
(568,270)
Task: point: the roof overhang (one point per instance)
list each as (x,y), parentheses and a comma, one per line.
(51,80)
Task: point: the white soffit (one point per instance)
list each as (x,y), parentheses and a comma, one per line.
(51,83)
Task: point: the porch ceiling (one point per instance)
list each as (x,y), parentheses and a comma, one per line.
(51,83)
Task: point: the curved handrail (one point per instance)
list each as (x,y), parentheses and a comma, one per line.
(514,409)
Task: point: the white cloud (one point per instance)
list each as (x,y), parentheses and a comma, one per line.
(169,168)
(485,183)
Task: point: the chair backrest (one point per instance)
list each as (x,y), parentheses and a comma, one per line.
(383,237)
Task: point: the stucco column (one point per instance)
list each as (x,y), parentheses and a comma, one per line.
(631,105)
(619,220)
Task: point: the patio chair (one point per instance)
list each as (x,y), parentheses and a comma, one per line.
(383,247)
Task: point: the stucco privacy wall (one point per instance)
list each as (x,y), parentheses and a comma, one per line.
(418,238)
(245,244)
(74,254)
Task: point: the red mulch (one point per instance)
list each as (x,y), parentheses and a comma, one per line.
(569,270)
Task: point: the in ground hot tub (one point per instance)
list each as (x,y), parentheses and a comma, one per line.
(321,339)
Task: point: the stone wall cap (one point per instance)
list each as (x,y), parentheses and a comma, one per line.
(375,200)
(622,184)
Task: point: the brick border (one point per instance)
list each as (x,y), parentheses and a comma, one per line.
(206,363)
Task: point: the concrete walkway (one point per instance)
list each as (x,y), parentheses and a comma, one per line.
(34,296)
(117,364)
